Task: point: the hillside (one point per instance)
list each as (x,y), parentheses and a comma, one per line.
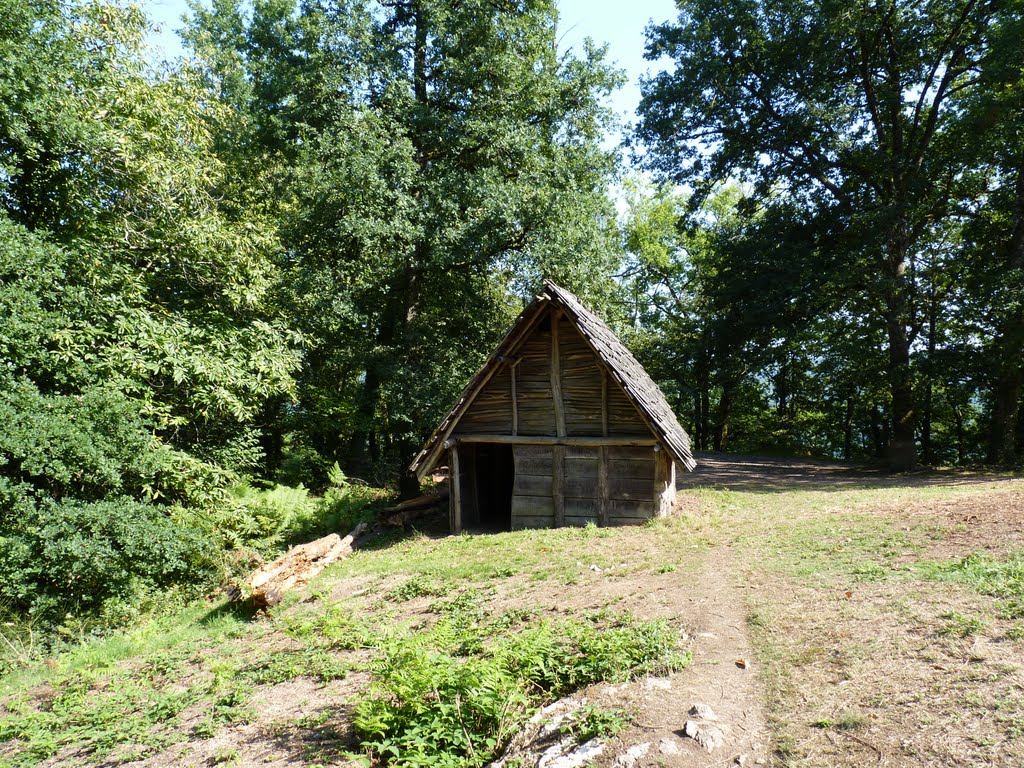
(878,620)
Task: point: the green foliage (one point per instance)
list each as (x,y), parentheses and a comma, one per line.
(592,722)
(959,625)
(103,559)
(454,695)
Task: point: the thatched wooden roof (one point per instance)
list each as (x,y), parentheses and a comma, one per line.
(619,362)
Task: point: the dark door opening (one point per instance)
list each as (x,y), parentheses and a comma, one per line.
(495,476)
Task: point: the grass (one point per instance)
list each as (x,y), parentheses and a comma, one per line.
(422,646)
(420,620)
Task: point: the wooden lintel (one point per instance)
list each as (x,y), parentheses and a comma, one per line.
(556,375)
(575,440)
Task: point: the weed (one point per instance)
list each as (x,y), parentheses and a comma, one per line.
(958,625)
(452,696)
(592,722)
(1015,631)
(667,568)
(987,575)
(225,756)
(418,586)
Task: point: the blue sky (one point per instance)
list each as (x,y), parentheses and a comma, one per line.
(620,24)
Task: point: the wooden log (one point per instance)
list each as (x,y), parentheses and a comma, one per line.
(426,500)
(455,498)
(268,584)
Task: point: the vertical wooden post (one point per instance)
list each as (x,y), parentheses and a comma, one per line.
(556,375)
(558,483)
(602,486)
(604,402)
(557,451)
(664,482)
(454,491)
(512,369)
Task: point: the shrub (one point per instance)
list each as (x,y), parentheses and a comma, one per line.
(452,696)
(104,559)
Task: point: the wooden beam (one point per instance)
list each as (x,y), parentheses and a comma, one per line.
(556,374)
(575,440)
(604,401)
(432,449)
(515,398)
(602,485)
(455,491)
(558,483)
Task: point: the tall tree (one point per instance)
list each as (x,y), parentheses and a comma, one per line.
(437,154)
(841,108)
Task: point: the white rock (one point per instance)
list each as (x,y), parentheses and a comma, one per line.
(668,747)
(556,757)
(703,712)
(659,683)
(708,736)
(632,756)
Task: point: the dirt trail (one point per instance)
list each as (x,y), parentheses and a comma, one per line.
(715,617)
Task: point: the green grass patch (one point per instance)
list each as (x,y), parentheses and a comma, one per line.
(997,577)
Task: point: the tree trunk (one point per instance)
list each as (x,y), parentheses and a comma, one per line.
(725,403)
(902,452)
(1009,346)
(848,430)
(926,422)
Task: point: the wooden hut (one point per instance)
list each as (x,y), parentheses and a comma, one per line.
(561,426)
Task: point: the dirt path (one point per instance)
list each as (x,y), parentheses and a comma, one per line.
(716,624)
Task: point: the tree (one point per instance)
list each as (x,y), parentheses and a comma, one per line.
(438,157)
(841,108)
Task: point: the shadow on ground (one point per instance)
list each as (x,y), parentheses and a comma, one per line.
(757,474)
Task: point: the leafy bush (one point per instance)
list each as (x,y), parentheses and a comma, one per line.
(452,697)
(105,559)
(282,515)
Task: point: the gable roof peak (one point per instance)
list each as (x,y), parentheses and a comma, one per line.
(616,358)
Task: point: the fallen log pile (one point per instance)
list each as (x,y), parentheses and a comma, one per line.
(401,514)
(266,587)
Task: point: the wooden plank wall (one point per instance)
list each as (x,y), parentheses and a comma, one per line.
(491,412)
(629,486)
(533,505)
(533,385)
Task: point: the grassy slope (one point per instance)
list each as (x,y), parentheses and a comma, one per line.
(870,644)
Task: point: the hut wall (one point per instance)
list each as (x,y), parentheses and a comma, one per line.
(491,411)
(533,505)
(581,378)
(631,492)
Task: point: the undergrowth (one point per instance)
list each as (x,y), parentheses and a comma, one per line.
(452,696)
